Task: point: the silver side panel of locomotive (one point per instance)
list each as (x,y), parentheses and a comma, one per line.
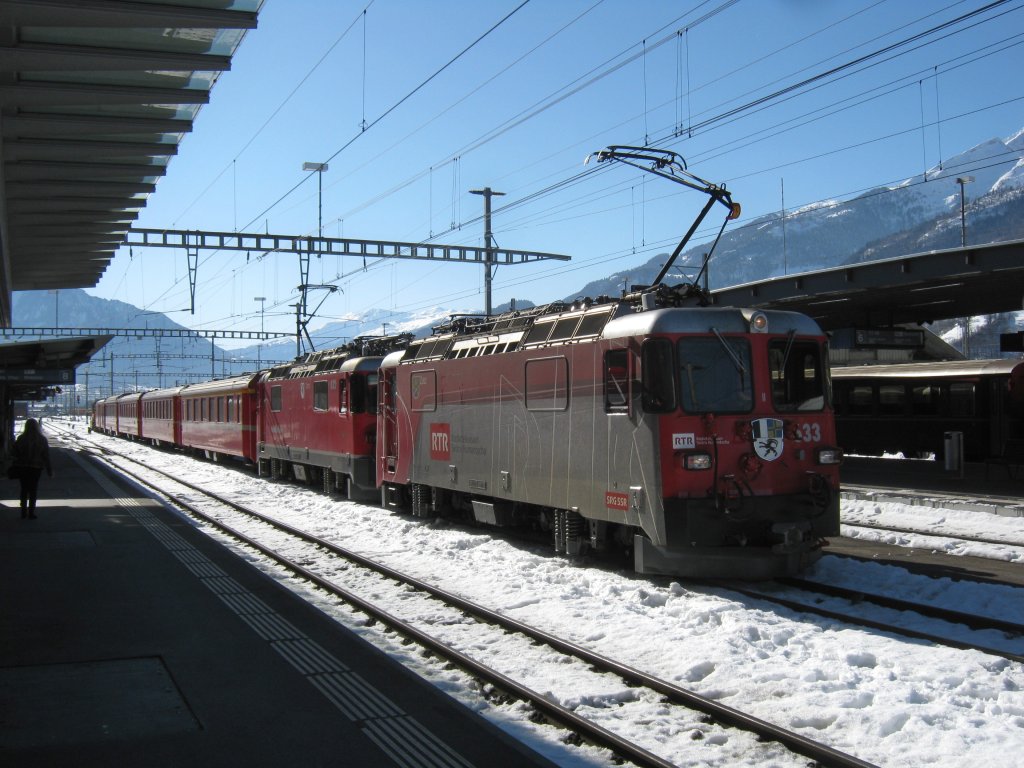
(569,454)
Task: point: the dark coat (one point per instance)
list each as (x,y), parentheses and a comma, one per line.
(32,449)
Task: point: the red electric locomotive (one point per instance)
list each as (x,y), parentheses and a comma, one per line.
(318,417)
(161,416)
(702,438)
(218,418)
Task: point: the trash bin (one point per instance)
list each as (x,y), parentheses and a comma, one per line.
(954,452)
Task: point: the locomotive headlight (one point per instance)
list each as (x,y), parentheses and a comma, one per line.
(758,322)
(830,456)
(697,461)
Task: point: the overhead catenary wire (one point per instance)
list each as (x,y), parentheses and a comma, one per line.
(564,185)
(731,113)
(395,106)
(384,114)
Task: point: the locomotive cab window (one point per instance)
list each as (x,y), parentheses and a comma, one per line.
(715,374)
(275,398)
(616,381)
(797,375)
(657,374)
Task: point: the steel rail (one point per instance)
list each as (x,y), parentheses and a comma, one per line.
(836,545)
(975,539)
(795,742)
(972,620)
(796,605)
(587,729)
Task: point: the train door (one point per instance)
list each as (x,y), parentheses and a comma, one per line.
(389,419)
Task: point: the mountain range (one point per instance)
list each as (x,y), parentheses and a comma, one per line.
(918,214)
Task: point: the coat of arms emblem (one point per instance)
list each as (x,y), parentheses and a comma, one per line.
(768,437)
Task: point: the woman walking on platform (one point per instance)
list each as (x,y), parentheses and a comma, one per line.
(31,456)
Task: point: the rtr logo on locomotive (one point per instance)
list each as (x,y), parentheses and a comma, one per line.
(441,442)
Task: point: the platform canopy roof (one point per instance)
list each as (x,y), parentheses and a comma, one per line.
(95,96)
(918,288)
(30,370)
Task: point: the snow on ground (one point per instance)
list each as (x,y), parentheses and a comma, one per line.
(886,699)
(938,528)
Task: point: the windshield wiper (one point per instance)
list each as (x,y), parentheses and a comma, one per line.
(731,352)
(789,347)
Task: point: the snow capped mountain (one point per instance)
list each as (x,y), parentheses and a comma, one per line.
(1016,142)
(916,214)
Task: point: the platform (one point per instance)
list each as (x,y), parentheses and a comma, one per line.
(976,488)
(130,638)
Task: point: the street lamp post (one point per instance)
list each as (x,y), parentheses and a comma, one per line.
(259,347)
(963,181)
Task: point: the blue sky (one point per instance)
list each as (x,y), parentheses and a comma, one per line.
(521,109)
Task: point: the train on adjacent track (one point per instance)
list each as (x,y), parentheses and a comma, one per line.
(909,408)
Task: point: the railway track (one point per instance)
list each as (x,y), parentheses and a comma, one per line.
(948,499)
(936,534)
(801,595)
(452,610)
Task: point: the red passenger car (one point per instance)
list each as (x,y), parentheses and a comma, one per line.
(104,415)
(161,416)
(318,417)
(127,407)
(218,418)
